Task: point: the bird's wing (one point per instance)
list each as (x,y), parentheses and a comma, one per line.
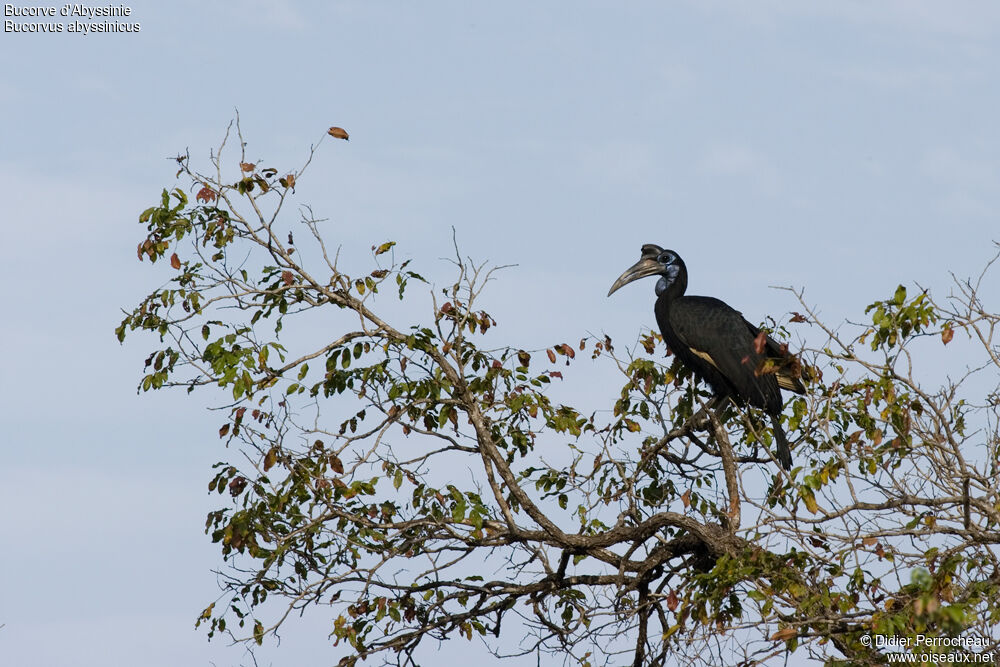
(789,371)
(717,334)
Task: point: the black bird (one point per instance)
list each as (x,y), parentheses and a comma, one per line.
(714,341)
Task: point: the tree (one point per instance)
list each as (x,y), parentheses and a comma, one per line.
(395,474)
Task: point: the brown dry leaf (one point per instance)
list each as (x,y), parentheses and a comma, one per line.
(247,166)
(338,133)
(760,342)
(552,355)
(270,458)
(287,277)
(237,485)
(947,334)
(672,600)
(686,499)
(206,194)
(175,261)
(784,634)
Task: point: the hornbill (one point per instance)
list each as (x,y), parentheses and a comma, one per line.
(714,341)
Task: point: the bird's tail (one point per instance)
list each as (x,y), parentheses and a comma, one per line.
(784,454)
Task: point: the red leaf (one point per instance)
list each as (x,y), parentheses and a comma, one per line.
(206,194)
(568,351)
(247,166)
(672,600)
(555,374)
(287,277)
(447,308)
(175,261)
(798,317)
(760,342)
(947,334)
(552,355)
(224,430)
(338,133)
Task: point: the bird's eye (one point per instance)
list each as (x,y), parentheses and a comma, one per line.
(668,258)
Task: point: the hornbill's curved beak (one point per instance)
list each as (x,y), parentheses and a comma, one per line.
(647,266)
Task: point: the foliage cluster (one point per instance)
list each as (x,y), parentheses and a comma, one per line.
(393,474)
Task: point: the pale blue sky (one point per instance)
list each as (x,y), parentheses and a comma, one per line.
(842,147)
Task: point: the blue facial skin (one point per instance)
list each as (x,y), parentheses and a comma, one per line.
(670,272)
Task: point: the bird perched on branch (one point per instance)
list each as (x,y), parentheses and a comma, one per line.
(716,343)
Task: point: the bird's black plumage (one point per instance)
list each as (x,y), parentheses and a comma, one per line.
(716,343)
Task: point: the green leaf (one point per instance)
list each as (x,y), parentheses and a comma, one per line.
(258,632)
